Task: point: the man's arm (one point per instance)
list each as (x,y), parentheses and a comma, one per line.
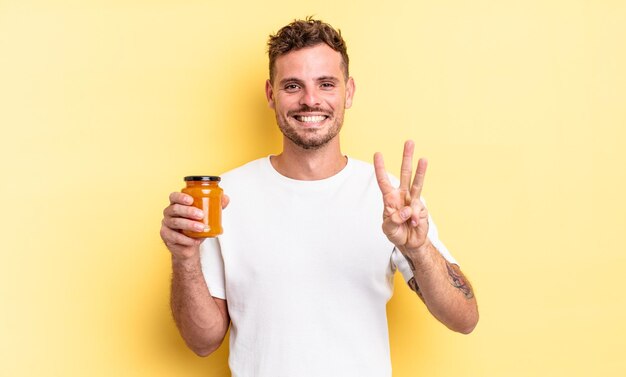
(201,319)
(444,289)
(440,284)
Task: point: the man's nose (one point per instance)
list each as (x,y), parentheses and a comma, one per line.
(310,97)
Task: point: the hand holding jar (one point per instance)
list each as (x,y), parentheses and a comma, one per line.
(193,214)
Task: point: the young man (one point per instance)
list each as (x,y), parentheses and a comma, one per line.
(303,270)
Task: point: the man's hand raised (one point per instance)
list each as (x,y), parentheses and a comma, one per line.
(182,215)
(405,217)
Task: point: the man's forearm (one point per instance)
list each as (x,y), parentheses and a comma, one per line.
(201,320)
(443,287)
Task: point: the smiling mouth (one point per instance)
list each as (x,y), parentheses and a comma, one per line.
(310,118)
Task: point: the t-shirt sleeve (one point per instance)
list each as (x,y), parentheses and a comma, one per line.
(213,266)
(400,261)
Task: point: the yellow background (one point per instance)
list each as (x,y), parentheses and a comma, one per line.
(519,105)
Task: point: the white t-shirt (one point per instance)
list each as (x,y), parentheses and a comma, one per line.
(306,271)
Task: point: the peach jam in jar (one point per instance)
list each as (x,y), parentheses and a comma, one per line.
(207,195)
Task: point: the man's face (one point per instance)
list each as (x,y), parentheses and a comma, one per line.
(309,95)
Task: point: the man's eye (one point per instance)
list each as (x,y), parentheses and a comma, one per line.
(327,85)
(291,87)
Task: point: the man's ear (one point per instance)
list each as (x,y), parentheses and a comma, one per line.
(269,94)
(350,89)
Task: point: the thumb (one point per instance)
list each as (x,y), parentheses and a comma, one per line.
(225,201)
(392,223)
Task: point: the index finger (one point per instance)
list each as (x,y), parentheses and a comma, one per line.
(180,198)
(381,174)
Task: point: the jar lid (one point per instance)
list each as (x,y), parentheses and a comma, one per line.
(202,178)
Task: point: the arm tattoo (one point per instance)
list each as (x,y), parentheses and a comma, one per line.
(458,281)
(415,288)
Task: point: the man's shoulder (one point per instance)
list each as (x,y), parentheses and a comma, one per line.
(253,167)
(361,165)
(245,176)
(261,169)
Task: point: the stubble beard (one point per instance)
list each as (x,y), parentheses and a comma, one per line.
(309,138)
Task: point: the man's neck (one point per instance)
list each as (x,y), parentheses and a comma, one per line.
(309,164)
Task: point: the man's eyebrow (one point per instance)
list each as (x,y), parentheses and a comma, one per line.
(300,82)
(290,79)
(327,78)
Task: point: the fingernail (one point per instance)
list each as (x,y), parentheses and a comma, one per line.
(413,223)
(405,213)
(200,214)
(199,227)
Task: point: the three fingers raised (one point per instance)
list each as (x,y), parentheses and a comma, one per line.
(406,173)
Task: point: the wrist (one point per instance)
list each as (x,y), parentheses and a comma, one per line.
(186,261)
(419,251)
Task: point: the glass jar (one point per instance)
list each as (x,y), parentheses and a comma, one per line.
(207,195)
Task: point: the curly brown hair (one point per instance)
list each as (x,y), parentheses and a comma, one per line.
(306,33)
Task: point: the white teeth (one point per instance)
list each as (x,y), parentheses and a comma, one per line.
(314,118)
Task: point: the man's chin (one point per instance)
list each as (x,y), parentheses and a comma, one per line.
(310,137)
(311,143)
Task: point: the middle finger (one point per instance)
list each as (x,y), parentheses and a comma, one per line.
(407,165)
(178,210)
(406,170)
